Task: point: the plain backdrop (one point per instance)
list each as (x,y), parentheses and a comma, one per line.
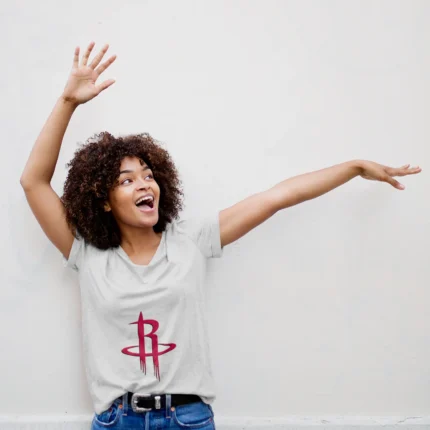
(324,308)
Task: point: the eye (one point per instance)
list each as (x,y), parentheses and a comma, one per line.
(151,176)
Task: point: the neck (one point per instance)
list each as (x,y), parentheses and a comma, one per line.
(138,240)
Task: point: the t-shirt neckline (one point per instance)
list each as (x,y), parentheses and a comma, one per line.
(155,257)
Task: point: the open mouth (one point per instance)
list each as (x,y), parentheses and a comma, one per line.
(145,204)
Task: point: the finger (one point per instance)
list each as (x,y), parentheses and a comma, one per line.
(414,170)
(105,65)
(403,171)
(394,183)
(76,58)
(403,168)
(397,171)
(99,56)
(87,53)
(104,85)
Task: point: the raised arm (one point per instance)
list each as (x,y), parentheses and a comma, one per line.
(239,219)
(36,177)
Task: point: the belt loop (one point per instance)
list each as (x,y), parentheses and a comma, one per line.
(125,403)
(168,405)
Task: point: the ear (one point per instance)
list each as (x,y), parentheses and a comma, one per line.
(107,207)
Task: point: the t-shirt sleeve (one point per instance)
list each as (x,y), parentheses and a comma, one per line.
(76,254)
(205,232)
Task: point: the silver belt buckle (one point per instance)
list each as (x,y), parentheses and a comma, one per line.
(135,398)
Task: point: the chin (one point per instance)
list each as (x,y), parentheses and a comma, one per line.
(151,222)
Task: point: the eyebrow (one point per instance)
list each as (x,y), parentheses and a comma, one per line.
(145,167)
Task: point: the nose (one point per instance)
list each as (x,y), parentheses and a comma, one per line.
(142,184)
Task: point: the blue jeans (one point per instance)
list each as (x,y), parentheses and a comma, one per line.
(120,415)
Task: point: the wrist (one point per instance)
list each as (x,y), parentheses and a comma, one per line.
(68,101)
(358,166)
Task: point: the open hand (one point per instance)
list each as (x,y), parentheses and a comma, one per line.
(378,172)
(81,86)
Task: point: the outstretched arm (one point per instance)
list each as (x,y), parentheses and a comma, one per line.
(79,89)
(44,202)
(241,218)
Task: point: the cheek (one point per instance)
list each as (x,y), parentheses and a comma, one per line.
(120,203)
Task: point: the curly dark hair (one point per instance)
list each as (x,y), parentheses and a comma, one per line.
(94,170)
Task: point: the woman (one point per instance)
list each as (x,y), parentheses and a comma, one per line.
(141,270)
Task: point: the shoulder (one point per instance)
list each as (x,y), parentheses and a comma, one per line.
(81,252)
(202,229)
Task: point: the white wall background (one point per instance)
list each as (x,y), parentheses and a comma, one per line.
(323,309)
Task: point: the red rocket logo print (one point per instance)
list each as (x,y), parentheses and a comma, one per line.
(142,354)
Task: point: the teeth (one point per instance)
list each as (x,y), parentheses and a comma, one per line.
(148,198)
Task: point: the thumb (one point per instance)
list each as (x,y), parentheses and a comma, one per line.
(104,85)
(394,183)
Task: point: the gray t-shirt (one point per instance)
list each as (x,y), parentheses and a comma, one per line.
(144,327)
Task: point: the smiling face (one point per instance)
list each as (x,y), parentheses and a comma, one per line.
(136,180)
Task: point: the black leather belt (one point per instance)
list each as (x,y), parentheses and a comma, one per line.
(146,402)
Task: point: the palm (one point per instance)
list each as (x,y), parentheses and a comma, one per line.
(81,85)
